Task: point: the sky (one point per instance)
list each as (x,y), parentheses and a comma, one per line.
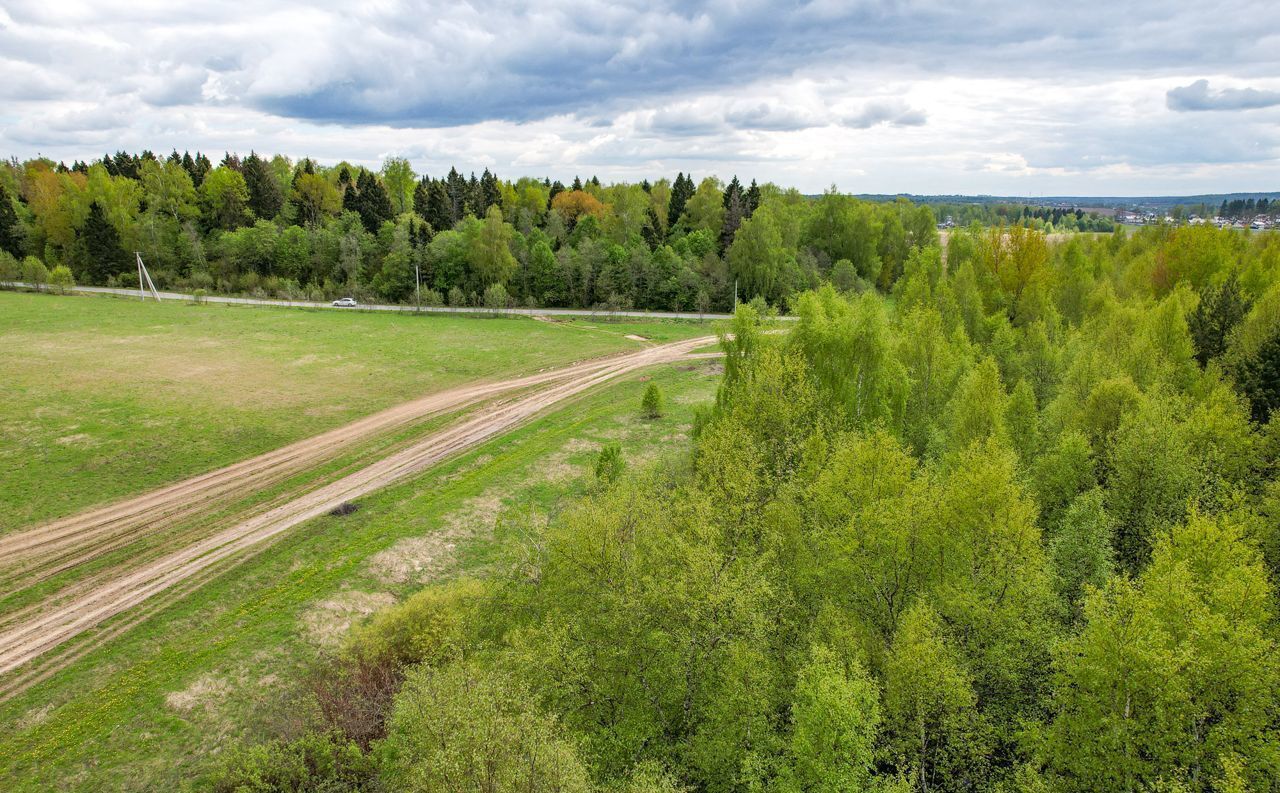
(1004,98)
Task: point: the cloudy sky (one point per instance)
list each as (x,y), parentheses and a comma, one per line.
(898,96)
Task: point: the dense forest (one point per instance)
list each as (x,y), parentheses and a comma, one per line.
(273,228)
(1011,524)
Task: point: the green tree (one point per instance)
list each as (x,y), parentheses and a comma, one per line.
(757,258)
(224,199)
(609,464)
(928,705)
(103,255)
(398,176)
(34,272)
(266,198)
(61,279)
(489,250)
(464,728)
(1173,671)
(10,228)
(651,403)
(835,715)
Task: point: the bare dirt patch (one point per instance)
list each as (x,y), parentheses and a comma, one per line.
(78,439)
(636,337)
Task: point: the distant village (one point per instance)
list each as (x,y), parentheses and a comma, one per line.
(1256,222)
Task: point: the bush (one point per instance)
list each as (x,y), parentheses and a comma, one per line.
(199,296)
(61,279)
(456,298)
(651,404)
(10,269)
(469,728)
(354,690)
(496,297)
(431,297)
(314,762)
(609,464)
(34,272)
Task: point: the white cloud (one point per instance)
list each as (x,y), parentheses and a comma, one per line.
(916,96)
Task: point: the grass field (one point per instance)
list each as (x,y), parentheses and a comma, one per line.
(154,708)
(104,397)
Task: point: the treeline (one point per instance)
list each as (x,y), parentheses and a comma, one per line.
(1015,527)
(1247,209)
(271,227)
(1046,219)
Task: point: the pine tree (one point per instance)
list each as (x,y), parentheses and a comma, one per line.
(422,196)
(439,214)
(10,232)
(489,193)
(557,187)
(202,168)
(734,212)
(265,196)
(753,198)
(456,187)
(103,256)
(681,191)
(577,183)
(371,202)
(651,404)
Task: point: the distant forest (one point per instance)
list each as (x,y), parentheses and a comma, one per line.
(273,227)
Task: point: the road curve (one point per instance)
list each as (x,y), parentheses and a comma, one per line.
(43,629)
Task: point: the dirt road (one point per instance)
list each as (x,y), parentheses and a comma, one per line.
(58,619)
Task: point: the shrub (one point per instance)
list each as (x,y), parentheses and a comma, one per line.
(609,464)
(469,728)
(10,269)
(316,761)
(61,279)
(354,689)
(651,404)
(496,297)
(456,298)
(34,272)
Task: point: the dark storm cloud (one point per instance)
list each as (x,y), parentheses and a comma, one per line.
(1198,96)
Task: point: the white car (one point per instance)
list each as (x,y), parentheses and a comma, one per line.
(346,302)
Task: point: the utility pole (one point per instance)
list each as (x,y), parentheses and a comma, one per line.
(417,285)
(735,295)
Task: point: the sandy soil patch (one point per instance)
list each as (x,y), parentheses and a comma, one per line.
(328,622)
(34,716)
(204,693)
(636,337)
(417,560)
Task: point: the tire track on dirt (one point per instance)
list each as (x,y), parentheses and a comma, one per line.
(54,626)
(87,535)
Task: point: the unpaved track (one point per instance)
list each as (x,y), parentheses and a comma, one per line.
(48,628)
(79,538)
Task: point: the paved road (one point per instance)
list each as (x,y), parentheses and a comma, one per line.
(527,312)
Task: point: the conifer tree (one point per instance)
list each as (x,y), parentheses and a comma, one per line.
(681,191)
(265,196)
(103,256)
(651,404)
(438,213)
